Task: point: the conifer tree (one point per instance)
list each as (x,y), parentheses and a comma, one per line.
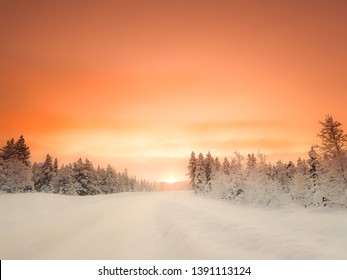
(22,151)
(16,150)
(8,151)
(251,162)
(55,166)
(334,149)
(226,166)
(200,174)
(209,163)
(191,170)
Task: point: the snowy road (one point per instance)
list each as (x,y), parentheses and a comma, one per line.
(170,225)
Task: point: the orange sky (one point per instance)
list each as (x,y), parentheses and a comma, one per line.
(140,84)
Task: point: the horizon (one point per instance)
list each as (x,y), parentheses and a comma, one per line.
(141,85)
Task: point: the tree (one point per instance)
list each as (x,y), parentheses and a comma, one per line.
(55,166)
(209,166)
(300,181)
(15,170)
(226,166)
(200,174)
(124,181)
(63,182)
(15,176)
(316,193)
(217,166)
(111,180)
(334,149)
(16,150)
(43,174)
(22,151)
(8,151)
(47,169)
(251,162)
(85,178)
(191,170)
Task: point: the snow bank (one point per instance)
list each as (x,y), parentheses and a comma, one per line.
(167,225)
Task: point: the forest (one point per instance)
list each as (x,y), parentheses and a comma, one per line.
(319,180)
(17,174)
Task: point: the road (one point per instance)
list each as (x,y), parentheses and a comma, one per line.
(167,225)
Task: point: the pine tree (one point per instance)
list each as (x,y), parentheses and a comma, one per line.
(334,149)
(63,182)
(200,174)
(8,151)
(124,179)
(16,176)
(55,166)
(16,170)
(237,162)
(281,174)
(217,166)
(209,163)
(316,194)
(251,162)
(111,180)
(226,166)
(16,150)
(90,181)
(22,151)
(299,181)
(2,173)
(47,169)
(313,166)
(191,170)
(43,174)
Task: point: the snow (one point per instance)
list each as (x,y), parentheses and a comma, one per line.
(164,225)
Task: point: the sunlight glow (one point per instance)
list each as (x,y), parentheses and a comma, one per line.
(170,180)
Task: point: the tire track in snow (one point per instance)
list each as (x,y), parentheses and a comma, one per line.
(225,231)
(172,225)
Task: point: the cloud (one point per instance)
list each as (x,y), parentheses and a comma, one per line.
(232,125)
(251,145)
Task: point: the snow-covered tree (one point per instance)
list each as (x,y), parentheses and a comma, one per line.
(200,174)
(209,166)
(9,150)
(317,174)
(333,151)
(237,162)
(191,170)
(251,162)
(55,166)
(15,176)
(43,174)
(2,173)
(85,178)
(16,150)
(22,151)
(226,166)
(111,179)
(15,169)
(217,166)
(63,182)
(124,181)
(299,188)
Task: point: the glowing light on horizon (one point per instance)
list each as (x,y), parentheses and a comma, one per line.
(170,180)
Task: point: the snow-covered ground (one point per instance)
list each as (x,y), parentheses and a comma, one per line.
(166,225)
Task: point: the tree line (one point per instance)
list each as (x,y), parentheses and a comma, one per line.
(17,174)
(319,180)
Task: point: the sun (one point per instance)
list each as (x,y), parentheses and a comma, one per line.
(170,180)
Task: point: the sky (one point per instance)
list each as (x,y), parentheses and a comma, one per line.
(141,84)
